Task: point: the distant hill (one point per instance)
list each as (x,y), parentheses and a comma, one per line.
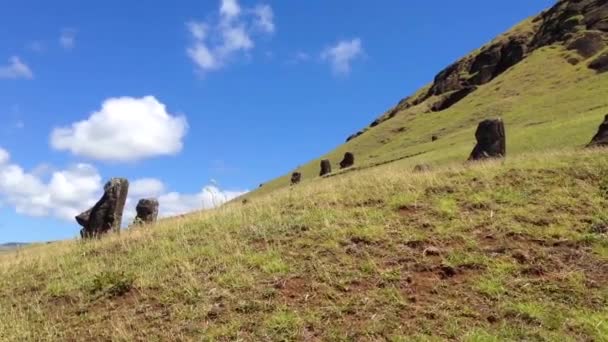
(11,245)
(546,78)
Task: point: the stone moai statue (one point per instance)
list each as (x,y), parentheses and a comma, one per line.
(147,211)
(601,138)
(296,177)
(491,141)
(348,161)
(325,167)
(106,214)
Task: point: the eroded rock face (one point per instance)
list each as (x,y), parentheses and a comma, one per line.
(325,167)
(348,160)
(601,138)
(491,142)
(296,177)
(588,43)
(147,211)
(106,214)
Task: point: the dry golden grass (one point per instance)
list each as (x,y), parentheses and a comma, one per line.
(522,255)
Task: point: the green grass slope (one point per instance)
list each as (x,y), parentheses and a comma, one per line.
(545,102)
(505,250)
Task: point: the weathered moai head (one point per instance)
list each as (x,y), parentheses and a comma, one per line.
(106,214)
(491,140)
(348,160)
(296,177)
(325,167)
(147,211)
(601,138)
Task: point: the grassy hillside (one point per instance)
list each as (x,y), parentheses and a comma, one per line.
(513,250)
(549,100)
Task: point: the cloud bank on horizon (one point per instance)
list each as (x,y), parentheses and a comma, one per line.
(77,188)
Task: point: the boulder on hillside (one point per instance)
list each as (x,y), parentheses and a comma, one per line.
(147,211)
(601,138)
(348,160)
(106,214)
(296,177)
(491,141)
(325,167)
(422,168)
(600,64)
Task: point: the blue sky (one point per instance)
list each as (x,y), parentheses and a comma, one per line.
(197,101)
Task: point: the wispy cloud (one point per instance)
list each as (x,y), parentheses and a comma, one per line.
(67,38)
(299,57)
(264,18)
(341,55)
(36,46)
(16,69)
(216,43)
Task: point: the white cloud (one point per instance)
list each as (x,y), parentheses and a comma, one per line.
(69,192)
(198,30)
(264,18)
(341,55)
(67,38)
(203,57)
(175,203)
(146,187)
(214,44)
(124,129)
(230,9)
(211,196)
(16,69)
(4,156)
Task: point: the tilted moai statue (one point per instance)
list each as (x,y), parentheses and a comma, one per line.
(106,214)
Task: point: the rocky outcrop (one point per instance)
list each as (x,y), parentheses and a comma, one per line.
(450,99)
(348,160)
(587,43)
(296,177)
(579,25)
(353,136)
(601,138)
(491,142)
(106,214)
(147,211)
(325,167)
